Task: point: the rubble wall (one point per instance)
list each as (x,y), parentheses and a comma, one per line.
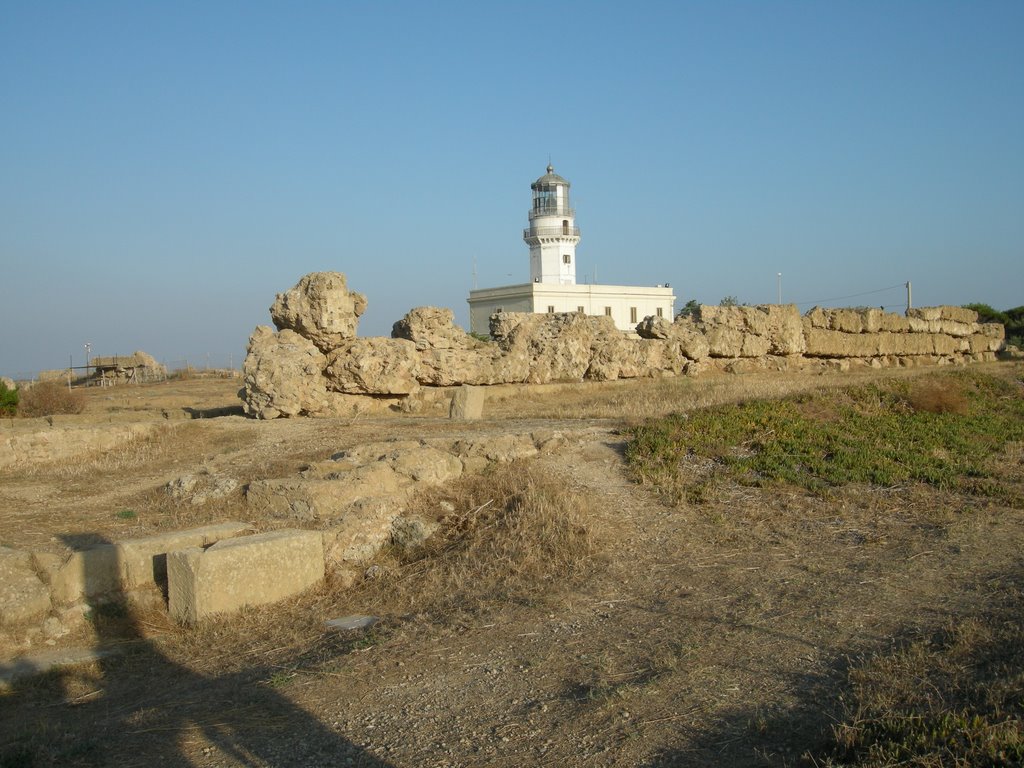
(314,365)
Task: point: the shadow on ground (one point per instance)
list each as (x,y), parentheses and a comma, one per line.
(136,707)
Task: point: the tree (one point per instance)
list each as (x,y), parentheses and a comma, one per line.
(8,400)
(729,301)
(690,309)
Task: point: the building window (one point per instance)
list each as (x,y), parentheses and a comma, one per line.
(551,309)
(608,311)
(632,314)
(565,230)
(658,312)
(580,310)
(567,259)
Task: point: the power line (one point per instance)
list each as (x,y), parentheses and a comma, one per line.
(851,296)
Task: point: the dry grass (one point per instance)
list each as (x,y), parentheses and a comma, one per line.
(515,533)
(938,397)
(50,398)
(516,537)
(633,400)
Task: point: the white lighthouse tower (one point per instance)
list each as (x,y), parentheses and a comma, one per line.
(552,234)
(552,237)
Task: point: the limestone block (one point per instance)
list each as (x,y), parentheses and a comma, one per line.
(432,328)
(816,317)
(993,330)
(954,327)
(143,561)
(326,498)
(427,465)
(360,532)
(320,308)
(374,366)
(785,330)
(925,313)
(959,314)
(845,320)
(283,375)
(822,343)
(240,572)
(653,327)
(943,345)
(918,324)
(506,448)
(904,344)
(467,403)
(87,573)
(725,342)
(365,453)
(754,346)
(451,367)
(23,596)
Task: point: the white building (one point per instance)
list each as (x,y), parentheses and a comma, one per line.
(552,237)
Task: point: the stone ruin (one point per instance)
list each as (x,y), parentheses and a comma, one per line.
(315,365)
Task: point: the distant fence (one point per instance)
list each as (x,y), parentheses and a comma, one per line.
(206,364)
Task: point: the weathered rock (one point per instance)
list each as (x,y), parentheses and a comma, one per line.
(451,367)
(725,341)
(200,488)
(235,573)
(358,534)
(467,403)
(283,375)
(23,596)
(548,347)
(653,327)
(87,573)
(142,561)
(321,309)
(504,449)
(375,366)
(309,499)
(432,328)
(426,464)
(411,532)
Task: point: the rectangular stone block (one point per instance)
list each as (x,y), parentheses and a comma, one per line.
(87,573)
(467,403)
(144,561)
(245,571)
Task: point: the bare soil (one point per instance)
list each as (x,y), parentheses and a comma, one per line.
(714,634)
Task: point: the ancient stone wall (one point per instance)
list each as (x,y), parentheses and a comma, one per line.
(315,365)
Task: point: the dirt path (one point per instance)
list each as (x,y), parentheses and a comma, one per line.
(719,634)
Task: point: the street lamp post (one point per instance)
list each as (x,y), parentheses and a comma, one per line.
(88,349)
(780,287)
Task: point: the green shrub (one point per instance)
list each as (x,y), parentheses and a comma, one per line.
(8,400)
(940,431)
(48,398)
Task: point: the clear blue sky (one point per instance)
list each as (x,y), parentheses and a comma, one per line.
(166,168)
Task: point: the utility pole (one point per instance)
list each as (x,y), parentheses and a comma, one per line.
(910,303)
(780,288)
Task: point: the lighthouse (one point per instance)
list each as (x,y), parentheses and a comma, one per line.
(552,234)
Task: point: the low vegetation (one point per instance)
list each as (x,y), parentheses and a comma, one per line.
(50,398)
(952,697)
(948,693)
(8,400)
(513,532)
(942,432)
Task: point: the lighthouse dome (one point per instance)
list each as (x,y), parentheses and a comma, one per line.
(549,179)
